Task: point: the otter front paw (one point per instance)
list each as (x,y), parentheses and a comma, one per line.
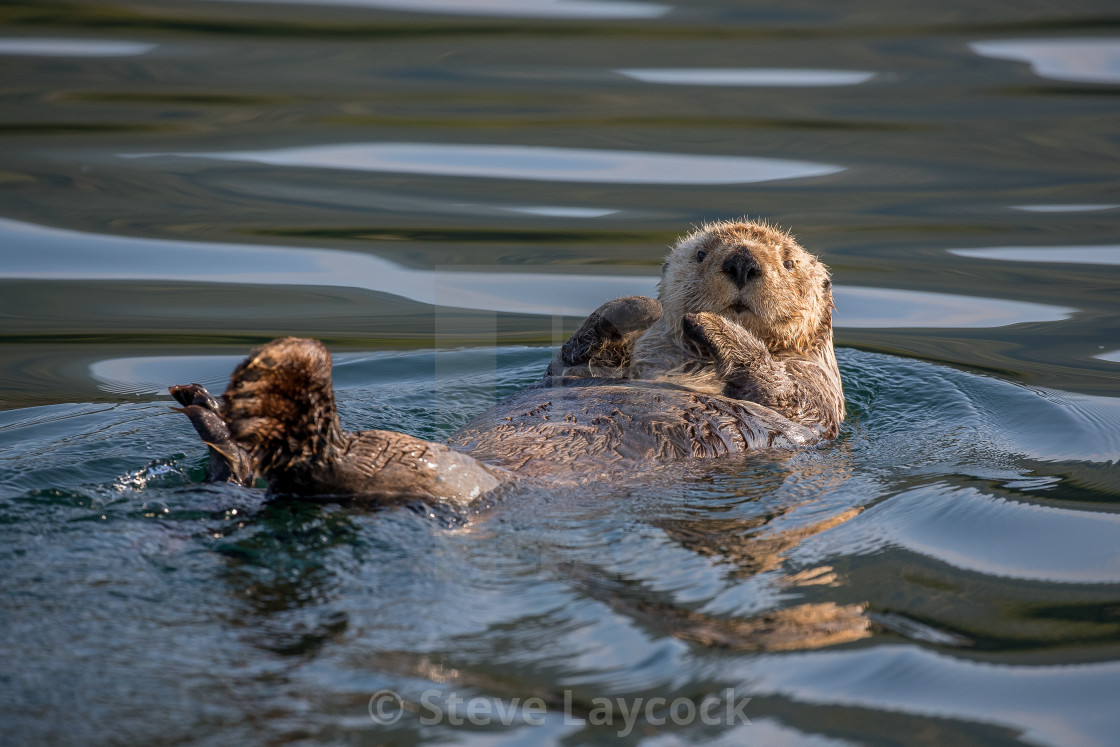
(696,331)
(605,340)
(622,316)
(723,341)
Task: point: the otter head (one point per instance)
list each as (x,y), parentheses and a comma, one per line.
(752,274)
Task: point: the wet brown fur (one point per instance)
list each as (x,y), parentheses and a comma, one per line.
(280,405)
(769,341)
(640,382)
(281,414)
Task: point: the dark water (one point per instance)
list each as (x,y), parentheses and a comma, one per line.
(439,190)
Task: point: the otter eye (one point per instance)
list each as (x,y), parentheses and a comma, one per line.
(788,264)
(700,255)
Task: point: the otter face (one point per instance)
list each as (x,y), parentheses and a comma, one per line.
(751,274)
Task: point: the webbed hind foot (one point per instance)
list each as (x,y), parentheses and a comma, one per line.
(228,462)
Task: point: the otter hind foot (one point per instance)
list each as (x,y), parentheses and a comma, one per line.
(280,408)
(604,343)
(195,394)
(228,461)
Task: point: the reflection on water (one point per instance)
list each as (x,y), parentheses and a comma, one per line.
(919,682)
(1077,60)
(150,374)
(38,252)
(73,47)
(1066,546)
(622,589)
(529,162)
(604,9)
(427,185)
(1062,208)
(563,212)
(748,77)
(1078,255)
(884,308)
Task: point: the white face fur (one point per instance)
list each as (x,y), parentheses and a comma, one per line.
(754,275)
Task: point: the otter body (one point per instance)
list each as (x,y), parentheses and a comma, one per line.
(734,356)
(586,425)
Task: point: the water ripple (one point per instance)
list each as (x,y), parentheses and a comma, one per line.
(1075,255)
(757,77)
(884,308)
(1086,208)
(602,9)
(1074,60)
(975,532)
(1064,704)
(44,47)
(536,163)
(40,252)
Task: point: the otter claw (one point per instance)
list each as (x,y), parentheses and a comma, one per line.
(697,334)
(195,394)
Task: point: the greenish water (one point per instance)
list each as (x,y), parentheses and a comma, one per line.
(440,190)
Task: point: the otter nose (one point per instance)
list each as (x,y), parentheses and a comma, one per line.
(741,267)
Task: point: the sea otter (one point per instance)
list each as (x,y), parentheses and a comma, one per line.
(735,355)
(747,313)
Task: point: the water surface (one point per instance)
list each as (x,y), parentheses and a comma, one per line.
(440,191)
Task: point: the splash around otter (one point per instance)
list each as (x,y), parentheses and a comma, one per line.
(735,355)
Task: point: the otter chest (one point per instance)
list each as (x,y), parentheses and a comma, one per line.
(573,424)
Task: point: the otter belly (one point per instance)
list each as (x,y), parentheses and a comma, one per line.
(581,424)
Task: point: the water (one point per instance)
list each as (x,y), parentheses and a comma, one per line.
(439,190)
